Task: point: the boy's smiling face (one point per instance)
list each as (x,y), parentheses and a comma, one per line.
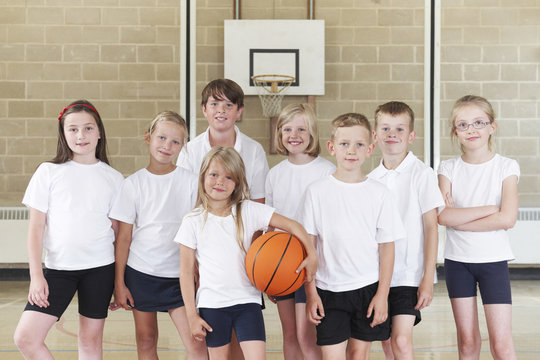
(221,114)
(393,133)
(351,146)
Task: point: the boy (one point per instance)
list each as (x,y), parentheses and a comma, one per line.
(354,222)
(415,188)
(222,104)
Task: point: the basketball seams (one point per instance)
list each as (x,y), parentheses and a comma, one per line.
(256,255)
(279,262)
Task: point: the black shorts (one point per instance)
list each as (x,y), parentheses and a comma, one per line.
(94,289)
(345,317)
(493,279)
(299,296)
(402,300)
(153,293)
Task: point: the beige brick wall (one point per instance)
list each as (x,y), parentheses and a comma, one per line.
(124,56)
(491,48)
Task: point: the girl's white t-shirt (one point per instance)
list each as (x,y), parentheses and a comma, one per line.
(77,199)
(287,182)
(155,204)
(478,185)
(222,273)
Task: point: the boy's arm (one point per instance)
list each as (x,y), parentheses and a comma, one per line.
(314,306)
(503,219)
(379,304)
(452,216)
(293,227)
(431,240)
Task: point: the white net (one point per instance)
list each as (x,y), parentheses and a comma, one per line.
(271,90)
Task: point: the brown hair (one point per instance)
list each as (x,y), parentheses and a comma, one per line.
(288,114)
(395,108)
(63,152)
(467,100)
(223,88)
(349,120)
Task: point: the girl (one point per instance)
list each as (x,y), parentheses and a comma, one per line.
(69,200)
(154,200)
(297,137)
(480,191)
(217,234)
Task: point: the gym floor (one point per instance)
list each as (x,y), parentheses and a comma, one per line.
(434,337)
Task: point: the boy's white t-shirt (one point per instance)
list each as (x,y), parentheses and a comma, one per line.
(478,185)
(286,183)
(77,199)
(223,280)
(155,204)
(415,188)
(251,151)
(350,220)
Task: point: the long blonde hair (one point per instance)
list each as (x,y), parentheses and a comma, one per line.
(229,158)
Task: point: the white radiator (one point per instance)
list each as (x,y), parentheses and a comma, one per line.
(13,228)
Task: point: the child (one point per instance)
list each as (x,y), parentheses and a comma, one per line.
(222,104)
(217,234)
(69,200)
(153,201)
(414,186)
(355,223)
(297,137)
(481,196)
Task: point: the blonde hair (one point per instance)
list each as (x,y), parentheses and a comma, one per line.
(467,100)
(349,120)
(229,158)
(172,117)
(287,115)
(395,108)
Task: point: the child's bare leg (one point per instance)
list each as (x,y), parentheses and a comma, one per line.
(196,350)
(219,353)
(401,340)
(90,338)
(335,352)
(306,334)
(235,349)
(358,349)
(291,348)
(499,323)
(254,349)
(387,349)
(31,332)
(468,330)
(146,334)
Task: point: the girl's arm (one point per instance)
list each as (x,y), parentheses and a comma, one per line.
(431,241)
(293,227)
(452,216)
(503,219)
(39,289)
(198,326)
(122,295)
(379,304)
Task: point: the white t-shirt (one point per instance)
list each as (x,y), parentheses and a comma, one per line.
(155,204)
(350,220)
(77,199)
(287,182)
(223,278)
(478,185)
(414,186)
(251,151)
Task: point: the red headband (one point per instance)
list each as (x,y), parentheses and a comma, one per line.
(63,111)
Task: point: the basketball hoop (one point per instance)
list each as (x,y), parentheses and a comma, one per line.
(271,90)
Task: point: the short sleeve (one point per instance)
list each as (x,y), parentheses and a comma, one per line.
(429,194)
(389,225)
(187,233)
(124,205)
(445,169)
(183,159)
(38,190)
(259,216)
(511,168)
(260,170)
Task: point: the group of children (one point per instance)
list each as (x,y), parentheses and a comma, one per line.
(173,236)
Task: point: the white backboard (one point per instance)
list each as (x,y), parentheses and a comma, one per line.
(276,47)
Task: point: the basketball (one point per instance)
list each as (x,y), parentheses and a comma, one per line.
(271,263)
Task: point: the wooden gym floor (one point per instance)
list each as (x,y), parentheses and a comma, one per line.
(434,337)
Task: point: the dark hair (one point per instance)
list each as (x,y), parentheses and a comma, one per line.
(63,152)
(223,88)
(395,108)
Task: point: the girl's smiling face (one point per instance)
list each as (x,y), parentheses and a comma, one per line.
(295,135)
(473,128)
(82,136)
(218,183)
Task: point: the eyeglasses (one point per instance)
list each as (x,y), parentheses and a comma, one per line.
(478,124)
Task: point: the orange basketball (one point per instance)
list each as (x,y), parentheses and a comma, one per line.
(271,263)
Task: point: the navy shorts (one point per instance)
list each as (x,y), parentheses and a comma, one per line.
(246,320)
(94,289)
(345,317)
(402,300)
(493,280)
(299,296)
(153,293)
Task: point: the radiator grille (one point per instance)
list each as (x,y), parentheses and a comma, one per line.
(13,213)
